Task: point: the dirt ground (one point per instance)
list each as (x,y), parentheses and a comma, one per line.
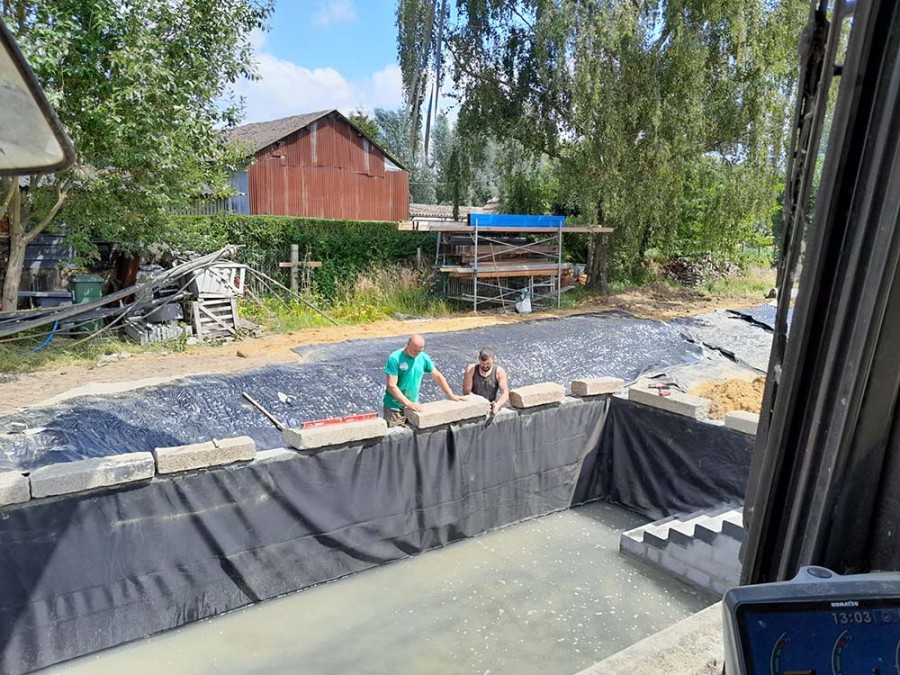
(28,389)
(732,395)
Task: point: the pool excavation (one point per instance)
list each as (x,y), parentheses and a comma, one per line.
(155,520)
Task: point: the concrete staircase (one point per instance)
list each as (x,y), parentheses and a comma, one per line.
(700,549)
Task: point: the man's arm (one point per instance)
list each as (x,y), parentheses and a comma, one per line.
(442,383)
(503,392)
(394,391)
(468,378)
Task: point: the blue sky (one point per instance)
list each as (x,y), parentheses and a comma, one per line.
(325,54)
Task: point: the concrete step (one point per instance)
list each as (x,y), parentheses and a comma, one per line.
(701,549)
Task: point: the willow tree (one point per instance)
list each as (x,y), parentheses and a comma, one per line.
(142,87)
(629,96)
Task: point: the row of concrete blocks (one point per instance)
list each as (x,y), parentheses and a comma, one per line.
(443,412)
(691,406)
(91,474)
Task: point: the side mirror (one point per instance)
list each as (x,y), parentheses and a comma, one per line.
(32,140)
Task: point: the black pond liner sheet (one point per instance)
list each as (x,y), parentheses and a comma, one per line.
(340,379)
(86,572)
(658,463)
(736,337)
(763,315)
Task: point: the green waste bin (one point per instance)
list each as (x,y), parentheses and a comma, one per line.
(87,288)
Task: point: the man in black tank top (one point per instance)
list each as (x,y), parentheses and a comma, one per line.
(487,379)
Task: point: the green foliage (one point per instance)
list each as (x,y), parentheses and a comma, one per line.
(142,88)
(366,123)
(394,132)
(529,187)
(667,120)
(345,248)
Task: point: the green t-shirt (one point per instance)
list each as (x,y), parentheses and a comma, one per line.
(409,372)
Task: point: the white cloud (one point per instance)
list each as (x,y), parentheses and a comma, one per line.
(334,11)
(286,88)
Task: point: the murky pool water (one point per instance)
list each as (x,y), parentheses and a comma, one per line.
(549,596)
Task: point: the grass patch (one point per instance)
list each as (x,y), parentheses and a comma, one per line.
(381,293)
(17,357)
(755,282)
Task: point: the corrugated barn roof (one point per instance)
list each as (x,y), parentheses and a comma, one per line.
(259,135)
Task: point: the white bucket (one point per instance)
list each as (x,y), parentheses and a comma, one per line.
(523,306)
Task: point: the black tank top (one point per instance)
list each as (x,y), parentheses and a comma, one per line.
(485,385)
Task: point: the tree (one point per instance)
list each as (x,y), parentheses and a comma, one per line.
(366,123)
(142,88)
(394,132)
(628,97)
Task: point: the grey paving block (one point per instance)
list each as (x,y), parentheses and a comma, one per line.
(542,393)
(203,455)
(743,421)
(13,488)
(596,386)
(676,402)
(445,412)
(90,474)
(335,434)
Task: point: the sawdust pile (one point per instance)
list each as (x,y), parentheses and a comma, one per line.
(728,395)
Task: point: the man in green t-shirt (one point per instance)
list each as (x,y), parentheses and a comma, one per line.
(404,370)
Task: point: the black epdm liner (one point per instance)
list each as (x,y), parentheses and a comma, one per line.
(84,573)
(658,463)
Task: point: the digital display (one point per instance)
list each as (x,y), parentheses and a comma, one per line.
(836,636)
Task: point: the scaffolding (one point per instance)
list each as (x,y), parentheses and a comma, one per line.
(497,259)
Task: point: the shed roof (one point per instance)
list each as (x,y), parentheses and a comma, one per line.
(259,135)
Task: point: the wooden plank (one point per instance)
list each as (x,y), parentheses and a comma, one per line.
(500,275)
(311,263)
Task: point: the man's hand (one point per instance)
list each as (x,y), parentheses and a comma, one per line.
(493,407)
(416,407)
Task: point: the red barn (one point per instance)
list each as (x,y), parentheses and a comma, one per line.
(318,165)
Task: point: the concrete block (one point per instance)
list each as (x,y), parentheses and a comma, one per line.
(676,402)
(445,412)
(632,544)
(537,394)
(13,488)
(90,474)
(699,579)
(203,455)
(743,421)
(673,565)
(653,555)
(335,434)
(595,386)
(720,586)
(727,553)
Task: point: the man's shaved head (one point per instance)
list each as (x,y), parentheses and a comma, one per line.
(415,345)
